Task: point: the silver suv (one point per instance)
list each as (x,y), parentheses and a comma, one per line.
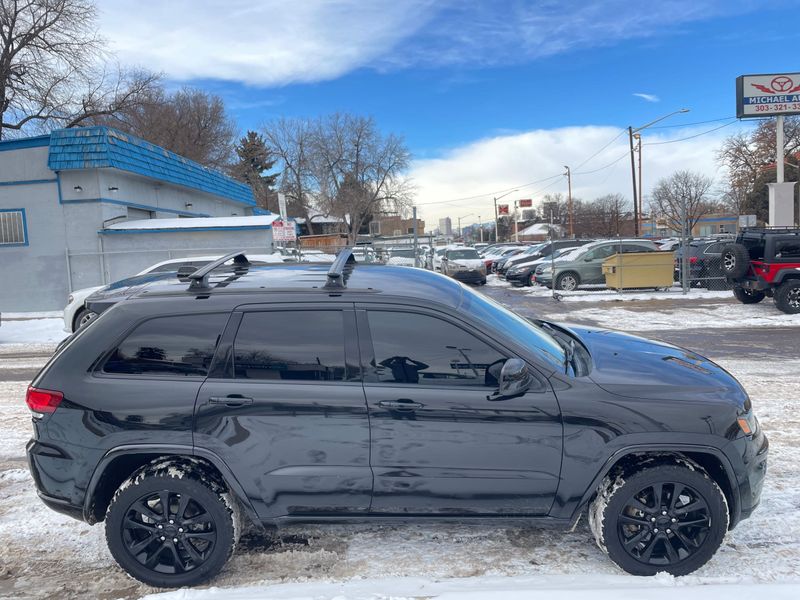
(585,264)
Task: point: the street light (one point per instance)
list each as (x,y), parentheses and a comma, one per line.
(496,236)
(459,222)
(631,131)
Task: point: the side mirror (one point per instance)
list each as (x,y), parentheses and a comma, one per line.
(514,380)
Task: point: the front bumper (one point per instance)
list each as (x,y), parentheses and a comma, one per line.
(517,278)
(757,284)
(470,276)
(750,465)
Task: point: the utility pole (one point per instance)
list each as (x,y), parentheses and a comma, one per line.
(516,223)
(496,239)
(416,247)
(780,149)
(638,137)
(480,227)
(633,181)
(569,203)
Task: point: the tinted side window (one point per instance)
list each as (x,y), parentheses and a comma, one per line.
(413,348)
(602,252)
(715,248)
(788,249)
(182,345)
(305,345)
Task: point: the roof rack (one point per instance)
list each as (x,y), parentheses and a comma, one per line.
(199,278)
(338,273)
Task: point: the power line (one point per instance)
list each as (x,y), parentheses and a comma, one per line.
(690,124)
(691,137)
(620,134)
(510,189)
(611,164)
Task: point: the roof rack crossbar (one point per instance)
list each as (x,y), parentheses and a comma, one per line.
(199,279)
(337,276)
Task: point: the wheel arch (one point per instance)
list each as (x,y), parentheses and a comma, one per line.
(785,275)
(120,463)
(632,459)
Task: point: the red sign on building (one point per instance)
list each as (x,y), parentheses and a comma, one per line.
(525,203)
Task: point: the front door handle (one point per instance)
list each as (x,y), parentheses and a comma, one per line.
(401,404)
(232,400)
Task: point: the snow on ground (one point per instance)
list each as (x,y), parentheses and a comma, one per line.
(32,334)
(718,316)
(46,555)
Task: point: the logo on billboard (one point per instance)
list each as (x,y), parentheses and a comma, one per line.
(502,209)
(779,85)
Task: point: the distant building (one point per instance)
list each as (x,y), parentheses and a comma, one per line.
(445,227)
(708,225)
(395,225)
(540,232)
(85,206)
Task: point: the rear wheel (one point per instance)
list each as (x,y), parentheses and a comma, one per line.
(529,280)
(667,518)
(567,282)
(168,526)
(746,296)
(735,261)
(82,317)
(787,296)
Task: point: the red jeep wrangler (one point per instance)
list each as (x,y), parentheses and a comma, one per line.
(765,262)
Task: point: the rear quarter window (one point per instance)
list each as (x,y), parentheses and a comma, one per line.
(177,346)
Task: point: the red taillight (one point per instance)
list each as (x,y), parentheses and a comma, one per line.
(692,260)
(43,401)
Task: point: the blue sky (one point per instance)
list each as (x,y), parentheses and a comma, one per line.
(487,95)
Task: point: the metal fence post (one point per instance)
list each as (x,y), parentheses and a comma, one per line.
(416,245)
(684,247)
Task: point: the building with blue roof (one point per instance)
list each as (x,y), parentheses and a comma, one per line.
(61,195)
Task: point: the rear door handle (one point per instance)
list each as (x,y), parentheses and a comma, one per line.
(401,404)
(233,400)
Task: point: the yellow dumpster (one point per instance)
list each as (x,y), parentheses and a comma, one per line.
(639,270)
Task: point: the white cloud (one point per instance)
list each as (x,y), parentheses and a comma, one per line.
(506,162)
(648,97)
(275,42)
(266,42)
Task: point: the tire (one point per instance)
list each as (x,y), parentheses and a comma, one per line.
(206,538)
(529,280)
(567,281)
(482,282)
(787,296)
(735,261)
(82,317)
(644,537)
(746,296)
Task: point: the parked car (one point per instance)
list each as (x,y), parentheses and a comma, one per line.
(496,254)
(586,266)
(464,264)
(76,314)
(243,394)
(705,264)
(526,253)
(765,262)
(525,273)
(401,256)
(534,253)
(436,258)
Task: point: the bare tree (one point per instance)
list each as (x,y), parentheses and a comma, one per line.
(359,171)
(607,215)
(49,74)
(683,191)
(189,122)
(290,140)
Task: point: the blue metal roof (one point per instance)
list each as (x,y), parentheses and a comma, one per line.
(103,147)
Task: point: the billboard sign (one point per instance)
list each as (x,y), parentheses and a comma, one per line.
(767,95)
(502,209)
(283,231)
(525,203)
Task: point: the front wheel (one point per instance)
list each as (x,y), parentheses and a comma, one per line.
(171,527)
(746,296)
(567,282)
(665,518)
(787,297)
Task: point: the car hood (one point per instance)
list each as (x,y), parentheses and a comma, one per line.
(636,367)
(470,263)
(400,260)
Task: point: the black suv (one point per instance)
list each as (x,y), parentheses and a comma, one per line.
(331,393)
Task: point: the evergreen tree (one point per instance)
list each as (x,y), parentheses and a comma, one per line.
(253,166)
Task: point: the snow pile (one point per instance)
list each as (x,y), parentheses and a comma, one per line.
(42,332)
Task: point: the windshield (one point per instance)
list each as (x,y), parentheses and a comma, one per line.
(402,253)
(465,254)
(534,249)
(439,251)
(510,325)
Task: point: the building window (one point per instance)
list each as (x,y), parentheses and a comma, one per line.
(13,228)
(375,228)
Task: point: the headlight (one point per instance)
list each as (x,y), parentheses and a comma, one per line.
(482,268)
(545,269)
(748,423)
(514,270)
(70,299)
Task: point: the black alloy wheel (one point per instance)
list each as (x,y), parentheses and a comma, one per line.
(664,523)
(787,297)
(670,517)
(169,533)
(171,525)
